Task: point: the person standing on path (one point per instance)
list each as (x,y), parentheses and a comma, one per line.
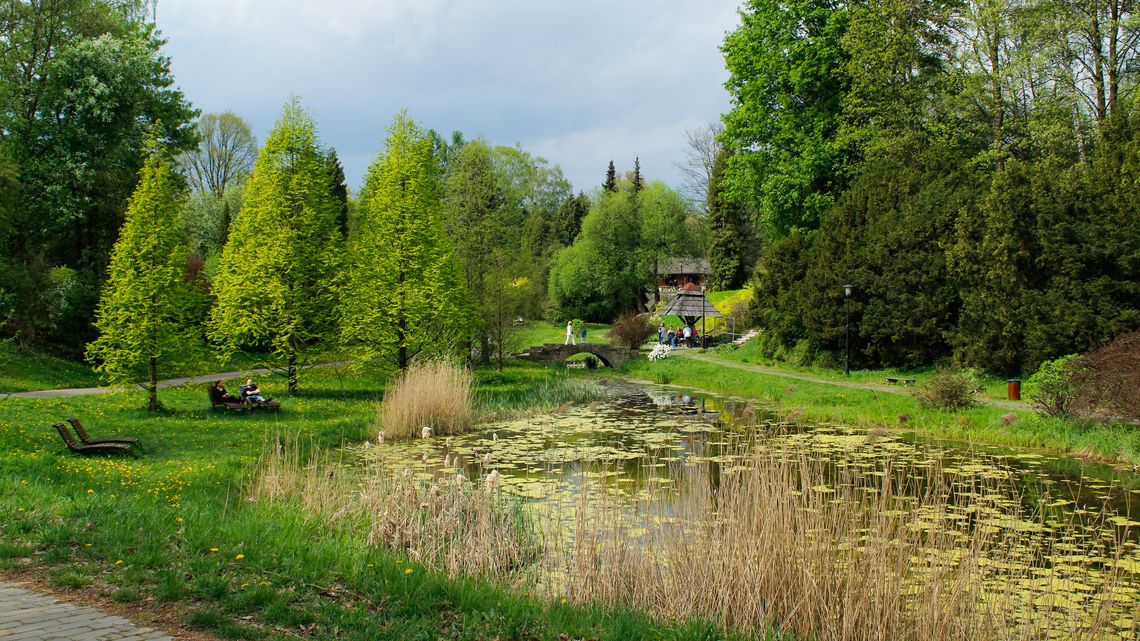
(570,334)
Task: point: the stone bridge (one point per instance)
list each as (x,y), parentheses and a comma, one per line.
(554,353)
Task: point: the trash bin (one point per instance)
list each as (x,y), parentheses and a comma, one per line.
(1013,388)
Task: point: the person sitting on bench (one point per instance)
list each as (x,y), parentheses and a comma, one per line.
(252,393)
(218,394)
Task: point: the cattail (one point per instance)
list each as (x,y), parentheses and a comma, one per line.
(460,479)
(492,480)
(424,457)
(487,458)
(447,460)
(426,432)
(494,436)
(380,439)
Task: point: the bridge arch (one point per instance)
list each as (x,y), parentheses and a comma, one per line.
(552,353)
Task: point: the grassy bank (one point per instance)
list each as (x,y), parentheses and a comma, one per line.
(172,530)
(823,402)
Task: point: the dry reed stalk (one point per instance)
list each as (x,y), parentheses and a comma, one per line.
(821,553)
(434,394)
(457,528)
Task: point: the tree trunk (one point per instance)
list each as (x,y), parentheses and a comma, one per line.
(484,349)
(152,386)
(292,374)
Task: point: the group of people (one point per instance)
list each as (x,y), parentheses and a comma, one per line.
(570,334)
(684,334)
(250,394)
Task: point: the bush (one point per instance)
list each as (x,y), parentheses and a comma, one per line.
(948,390)
(631,330)
(434,394)
(1052,387)
(1108,379)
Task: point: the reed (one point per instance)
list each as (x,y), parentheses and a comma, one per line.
(821,553)
(434,394)
(455,526)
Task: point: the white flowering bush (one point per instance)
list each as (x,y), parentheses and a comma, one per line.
(660,351)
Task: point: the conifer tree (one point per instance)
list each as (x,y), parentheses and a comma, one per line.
(728,229)
(138,316)
(637,181)
(276,286)
(339,190)
(611,179)
(404,294)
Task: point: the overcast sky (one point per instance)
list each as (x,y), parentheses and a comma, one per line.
(576,82)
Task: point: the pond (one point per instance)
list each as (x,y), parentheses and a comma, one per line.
(1071,522)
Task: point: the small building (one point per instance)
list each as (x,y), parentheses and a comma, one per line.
(675,273)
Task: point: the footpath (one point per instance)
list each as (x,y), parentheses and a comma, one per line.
(27,616)
(873,387)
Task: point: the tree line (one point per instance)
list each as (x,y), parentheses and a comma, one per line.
(971,167)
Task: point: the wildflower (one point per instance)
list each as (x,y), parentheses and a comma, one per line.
(264,584)
(213,549)
(86,545)
(119,562)
(180,519)
(371,565)
(563,602)
(240,557)
(90,491)
(407,570)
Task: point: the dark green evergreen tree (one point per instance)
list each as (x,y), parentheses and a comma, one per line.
(611,179)
(637,182)
(338,189)
(729,232)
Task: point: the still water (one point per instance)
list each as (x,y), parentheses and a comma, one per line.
(1076,521)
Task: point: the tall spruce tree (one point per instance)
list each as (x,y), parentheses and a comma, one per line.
(139,310)
(339,190)
(637,182)
(611,179)
(404,294)
(276,286)
(729,231)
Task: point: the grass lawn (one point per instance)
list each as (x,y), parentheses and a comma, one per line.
(171,529)
(823,402)
(540,332)
(993,387)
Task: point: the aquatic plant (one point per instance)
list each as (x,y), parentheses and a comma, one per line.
(432,394)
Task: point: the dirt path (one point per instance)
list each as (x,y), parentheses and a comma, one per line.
(874,387)
(170,382)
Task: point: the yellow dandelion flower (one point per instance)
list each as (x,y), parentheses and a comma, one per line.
(370,565)
(240,557)
(563,602)
(119,562)
(180,519)
(213,549)
(264,584)
(408,571)
(86,545)
(90,491)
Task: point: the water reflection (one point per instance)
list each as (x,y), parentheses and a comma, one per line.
(1073,519)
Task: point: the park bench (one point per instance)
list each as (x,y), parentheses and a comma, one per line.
(896,381)
(98,448)
(218,404)
(87,440)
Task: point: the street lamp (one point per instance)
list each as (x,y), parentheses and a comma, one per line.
(847,289)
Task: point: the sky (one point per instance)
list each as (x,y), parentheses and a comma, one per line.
(578,82)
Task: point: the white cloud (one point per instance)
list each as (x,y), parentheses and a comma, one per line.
(575,82)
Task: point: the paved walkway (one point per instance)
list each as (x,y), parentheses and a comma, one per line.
(27,616)
(874,387)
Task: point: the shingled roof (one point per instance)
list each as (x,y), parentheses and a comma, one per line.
(691,301)
(684,266)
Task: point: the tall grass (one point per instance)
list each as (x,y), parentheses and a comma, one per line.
(433,394)
(823,554)
(454,526)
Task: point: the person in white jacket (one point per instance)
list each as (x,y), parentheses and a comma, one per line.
(570,333)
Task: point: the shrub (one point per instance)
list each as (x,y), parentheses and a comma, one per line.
(434,394)
(1108,379)
(1052,388)
(631,330)
(948,390)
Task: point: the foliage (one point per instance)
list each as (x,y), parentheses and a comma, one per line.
(948,390)
(1052,387)
(139,316)
(224,156)
(660,351)
(631,330)
(404,295)
(81,85)
(730,233)
(277,282)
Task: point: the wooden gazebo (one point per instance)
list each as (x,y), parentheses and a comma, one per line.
(690,304)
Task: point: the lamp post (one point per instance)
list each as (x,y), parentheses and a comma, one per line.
(847,289)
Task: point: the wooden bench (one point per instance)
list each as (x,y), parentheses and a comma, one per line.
(237,406)
(96,448)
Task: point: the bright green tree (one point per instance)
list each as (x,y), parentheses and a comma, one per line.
(729,228)
(404,294)
(139,310)
(276,282)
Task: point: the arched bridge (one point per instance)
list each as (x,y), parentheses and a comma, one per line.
(554,353)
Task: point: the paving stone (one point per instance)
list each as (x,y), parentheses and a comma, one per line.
(27,616)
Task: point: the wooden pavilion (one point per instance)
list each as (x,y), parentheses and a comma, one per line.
(691,304)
